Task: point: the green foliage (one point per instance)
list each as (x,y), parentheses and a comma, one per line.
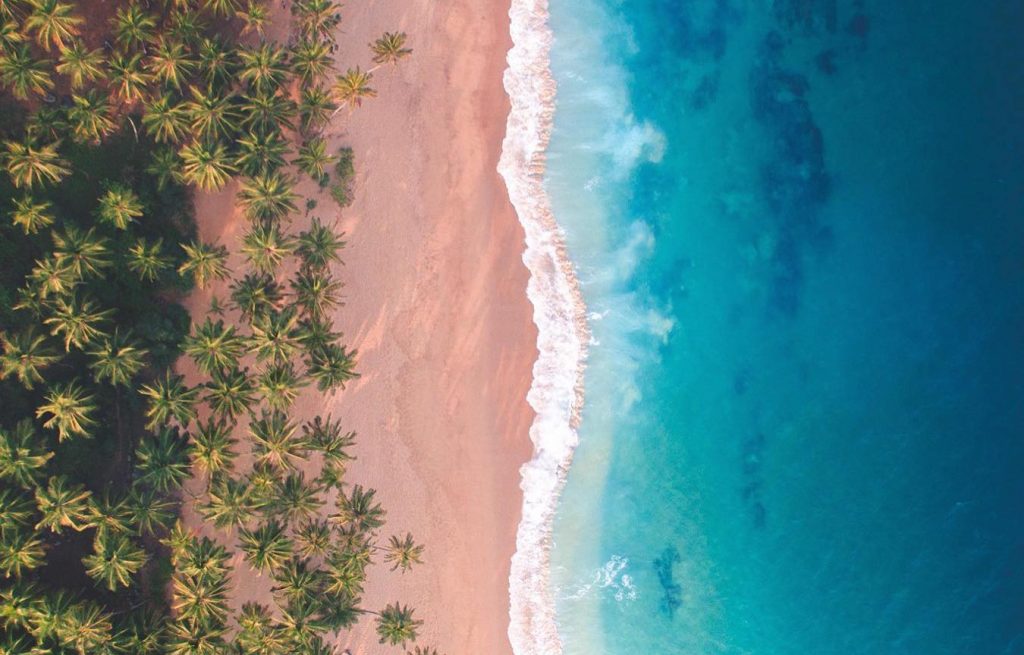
(98,433)
(344,173)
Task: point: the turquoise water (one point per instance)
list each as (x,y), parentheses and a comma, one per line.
(799,227)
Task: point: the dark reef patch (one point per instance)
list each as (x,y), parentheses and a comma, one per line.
(751,456)
(794,183)
(671,591)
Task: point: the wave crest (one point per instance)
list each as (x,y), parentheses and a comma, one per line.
(556,393)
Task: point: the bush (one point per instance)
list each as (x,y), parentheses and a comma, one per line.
(344,172)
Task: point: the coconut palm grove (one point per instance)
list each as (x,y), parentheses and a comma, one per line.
(113,115)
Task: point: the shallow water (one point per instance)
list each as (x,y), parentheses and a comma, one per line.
(799,227)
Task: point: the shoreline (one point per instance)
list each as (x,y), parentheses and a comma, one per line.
(435,306)
(556,392)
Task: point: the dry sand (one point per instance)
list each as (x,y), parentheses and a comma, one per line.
(436,306)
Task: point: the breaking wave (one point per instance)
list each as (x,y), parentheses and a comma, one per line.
(556,394)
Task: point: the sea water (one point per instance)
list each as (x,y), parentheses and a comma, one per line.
(798,228)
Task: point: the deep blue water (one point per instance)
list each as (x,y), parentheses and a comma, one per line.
(800,229)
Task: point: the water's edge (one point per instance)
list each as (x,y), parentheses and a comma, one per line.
(556,392)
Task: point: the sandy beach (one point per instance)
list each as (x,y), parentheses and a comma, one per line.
(436,306)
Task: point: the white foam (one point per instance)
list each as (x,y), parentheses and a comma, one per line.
(556,394)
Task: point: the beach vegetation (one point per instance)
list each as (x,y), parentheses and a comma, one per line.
(116,115)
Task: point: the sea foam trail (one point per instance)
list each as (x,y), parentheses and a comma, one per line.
(556,393)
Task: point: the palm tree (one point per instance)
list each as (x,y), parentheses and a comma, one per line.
(317,293)
(279,385)
(328,437)
(111,514)
(169,398)
(78,321)
(313,538)
(114,560)
(350,89)
(314,159)
(89,116)
(165,166)
(164,121)
(331,366)
(169,62)
(265,246)
(317,332)
(133,26)
(295,499)
(315,107)
(192,637)
(29,165)
(186,23)
(263,68)
(146,634)
(10,30)
(221,7)
(53,22)
(254,17)
(202,599)
(212,115)
(206,165)
(403,553)
(162,461)
(396,625)
(202,558)
(81,65)
(216,62)
(22,458)
(147,260)
(262,480)
(25,354)
(359,510)
(84,252)
(301,622)
(230,504)
(30,215)
(24,74)
(117,359)
(50,277)
(319,246)
(151,512)
(255,294)
(296,581)
(259,632)
(214,346)
(119,206)
(261,153)
(229,392)
(128,80)
(275,335)
(63,505)
(86,628)
(317,17)
(205,262)
(267,197)
(422,650)
(266,111)
(311,59)
(70,410)
(390,48)
(20,551)
(267,547)
(211,448)
(276,441)
(47,124)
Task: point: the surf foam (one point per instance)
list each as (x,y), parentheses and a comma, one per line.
(556,394)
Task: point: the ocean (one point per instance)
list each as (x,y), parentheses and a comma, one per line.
(797,229)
